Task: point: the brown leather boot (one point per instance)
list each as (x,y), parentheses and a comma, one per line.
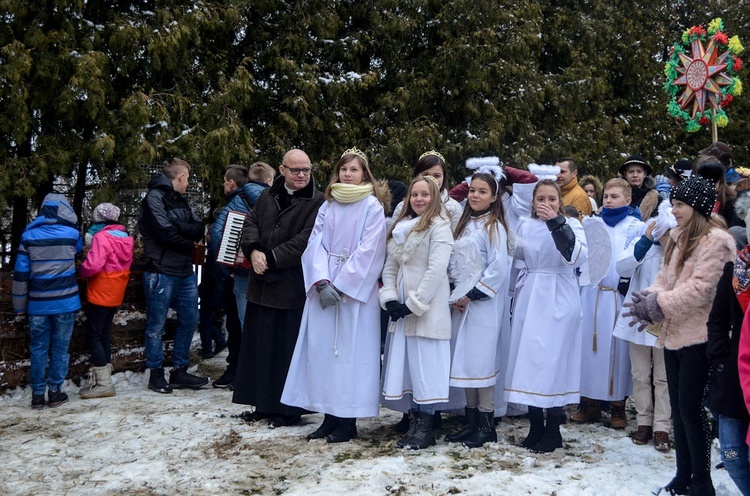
(588,411)
(618,418)
(642,435)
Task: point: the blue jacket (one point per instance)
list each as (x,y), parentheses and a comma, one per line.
(44,279)
(239,200)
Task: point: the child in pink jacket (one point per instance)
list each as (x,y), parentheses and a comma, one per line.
(107,267)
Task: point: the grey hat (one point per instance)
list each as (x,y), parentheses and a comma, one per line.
(106,212)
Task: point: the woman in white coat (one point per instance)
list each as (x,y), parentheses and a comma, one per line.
(482,232)
(415,294)
(335,368)
(545,359)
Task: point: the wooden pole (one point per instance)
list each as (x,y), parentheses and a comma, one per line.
(714,128)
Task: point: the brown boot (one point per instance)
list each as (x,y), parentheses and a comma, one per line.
(642,435)
(661,442)
(588,411)
(618,419)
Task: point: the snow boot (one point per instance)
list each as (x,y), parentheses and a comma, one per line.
(588,411)
(677,486)
(403,424)
(702,488)
(157,382)
(472,419)
(536,419)
(330,422)
(413,415)
(551,438)
(38,401)
(56,398)
(345,431)
(618,418)
(425,433)
(180,378)
(485,432)
(101,385)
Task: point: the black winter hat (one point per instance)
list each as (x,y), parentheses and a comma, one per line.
(635,160)
(696,191)
(682,169)
(711,169)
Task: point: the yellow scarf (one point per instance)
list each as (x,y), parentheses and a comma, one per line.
(350,193)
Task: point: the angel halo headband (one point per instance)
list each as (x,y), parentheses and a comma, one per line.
(431,152)
(433,180)
(355,151)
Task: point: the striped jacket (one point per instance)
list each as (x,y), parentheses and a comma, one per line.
(44,279)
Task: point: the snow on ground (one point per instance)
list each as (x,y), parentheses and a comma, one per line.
(143,443)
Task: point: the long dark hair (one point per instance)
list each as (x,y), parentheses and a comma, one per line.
(497,210)
(428,162)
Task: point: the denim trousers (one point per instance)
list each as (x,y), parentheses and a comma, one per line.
(162,293)
(50,337)
(734,451)
(240,294)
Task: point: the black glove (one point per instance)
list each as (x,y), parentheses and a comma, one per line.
(476,294)
(400,310)
(390,307)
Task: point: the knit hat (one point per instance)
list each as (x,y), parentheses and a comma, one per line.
(106,212)
(635,160)
(720,151)
(681,169)
(696,191)
(711,169)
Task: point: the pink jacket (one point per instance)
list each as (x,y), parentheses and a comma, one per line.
(743,364)
(686,298)
(107,266)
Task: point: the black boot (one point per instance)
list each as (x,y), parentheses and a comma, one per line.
(485,432)
(181,378)
(329,424)
(678,485)
(702,488)
(425,433)
(437,421)
(346,430)
(157,382)
(472,419)
(403,424)
(412,415)
(551,438)
(536,418)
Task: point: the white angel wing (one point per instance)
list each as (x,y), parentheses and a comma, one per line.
(600,252)
(465,267)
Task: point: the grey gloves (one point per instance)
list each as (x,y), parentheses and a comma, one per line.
(329,296)
(643,310)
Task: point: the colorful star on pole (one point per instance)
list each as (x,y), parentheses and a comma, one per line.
(704,75)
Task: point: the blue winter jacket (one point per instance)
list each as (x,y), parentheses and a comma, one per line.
(239,200)
(44,279)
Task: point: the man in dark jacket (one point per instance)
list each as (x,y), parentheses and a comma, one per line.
(274,236)
(170,231)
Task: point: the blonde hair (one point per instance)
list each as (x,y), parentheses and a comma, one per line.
(261,172)
(619,182)
(434,208)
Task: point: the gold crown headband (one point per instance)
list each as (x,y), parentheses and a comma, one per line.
(433,180)
(432,152)
(355,151)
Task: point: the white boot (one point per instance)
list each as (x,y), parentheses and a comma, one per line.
(102,386)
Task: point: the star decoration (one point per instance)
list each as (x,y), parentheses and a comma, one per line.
(701,73)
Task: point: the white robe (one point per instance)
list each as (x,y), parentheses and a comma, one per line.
(642,275)
(476,332)
(544,364)
(335,368)
(605,371)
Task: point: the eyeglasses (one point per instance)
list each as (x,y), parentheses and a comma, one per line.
(296,171)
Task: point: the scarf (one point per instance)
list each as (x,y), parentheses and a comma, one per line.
(402,229)
(350,193)
(95,228)
(613,216)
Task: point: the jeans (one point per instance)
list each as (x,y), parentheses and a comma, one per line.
(734,451)
(429,409)
(50,337)
(162,292)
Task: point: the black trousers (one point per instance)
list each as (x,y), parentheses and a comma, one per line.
(687,377)
(98,331)
(234,326)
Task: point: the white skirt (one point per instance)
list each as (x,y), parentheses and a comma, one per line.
(416,366)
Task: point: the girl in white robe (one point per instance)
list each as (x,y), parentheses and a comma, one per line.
(415,294)
(478,314)
(335,368)
(545,359)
